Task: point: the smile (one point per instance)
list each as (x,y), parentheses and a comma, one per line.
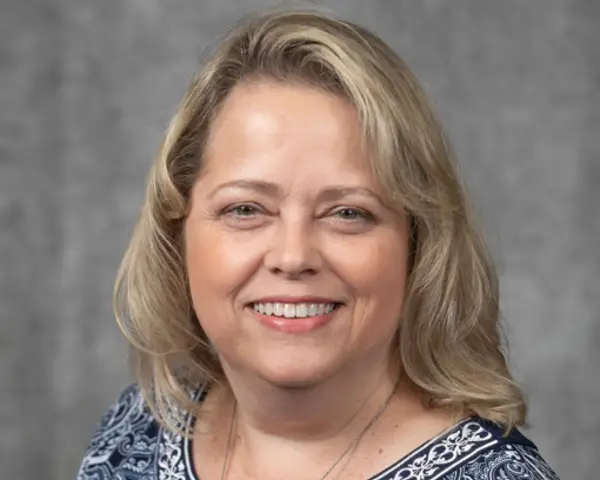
(296,317)
(294,310)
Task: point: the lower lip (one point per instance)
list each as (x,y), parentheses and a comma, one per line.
(294,325)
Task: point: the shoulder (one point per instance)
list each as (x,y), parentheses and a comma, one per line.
(509,457)
(506,462)
(473,449)
(125,438)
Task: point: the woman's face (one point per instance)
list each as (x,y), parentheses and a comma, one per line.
(296,268)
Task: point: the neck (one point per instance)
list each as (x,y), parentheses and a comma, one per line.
(337,407)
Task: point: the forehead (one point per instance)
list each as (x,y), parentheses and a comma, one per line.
(268,124)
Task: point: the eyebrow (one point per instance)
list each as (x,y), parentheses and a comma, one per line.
(335,192)
(270,189)
(261,186)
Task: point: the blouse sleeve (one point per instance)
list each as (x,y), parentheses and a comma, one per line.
(124,427)
(508,462)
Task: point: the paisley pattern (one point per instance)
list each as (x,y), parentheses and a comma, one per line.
(512,462)
(130,445)
(429,461)
(125,444)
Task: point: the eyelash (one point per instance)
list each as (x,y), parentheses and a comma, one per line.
(363,214)
(231,210)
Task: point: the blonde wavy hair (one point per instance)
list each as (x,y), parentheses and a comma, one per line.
(449,339)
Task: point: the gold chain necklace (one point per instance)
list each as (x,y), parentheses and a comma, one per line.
(348,449)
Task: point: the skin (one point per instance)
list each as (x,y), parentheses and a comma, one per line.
(301,398)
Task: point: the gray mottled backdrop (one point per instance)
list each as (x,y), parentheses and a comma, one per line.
(86,88)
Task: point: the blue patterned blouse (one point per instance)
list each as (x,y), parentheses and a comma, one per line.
(130,445)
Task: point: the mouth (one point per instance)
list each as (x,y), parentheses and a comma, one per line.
(294,310)
(297,317)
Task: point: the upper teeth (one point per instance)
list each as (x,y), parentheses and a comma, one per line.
(292,310)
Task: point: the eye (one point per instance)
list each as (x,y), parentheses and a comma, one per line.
(241,210)
(243,215)
(350,214)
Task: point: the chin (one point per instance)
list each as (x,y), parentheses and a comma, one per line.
(295,374)
(293,381)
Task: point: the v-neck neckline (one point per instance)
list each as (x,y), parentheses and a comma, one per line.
(435,457)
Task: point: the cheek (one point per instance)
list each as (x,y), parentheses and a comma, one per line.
(377,275)
(217,269)
(377,267)
(217,266)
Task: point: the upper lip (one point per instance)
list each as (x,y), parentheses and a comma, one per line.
(295,299)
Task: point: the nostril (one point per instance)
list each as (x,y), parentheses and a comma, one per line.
(293,273)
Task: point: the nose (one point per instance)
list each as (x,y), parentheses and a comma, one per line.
(293,253)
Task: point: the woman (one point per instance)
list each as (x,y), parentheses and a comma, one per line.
(305,292)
